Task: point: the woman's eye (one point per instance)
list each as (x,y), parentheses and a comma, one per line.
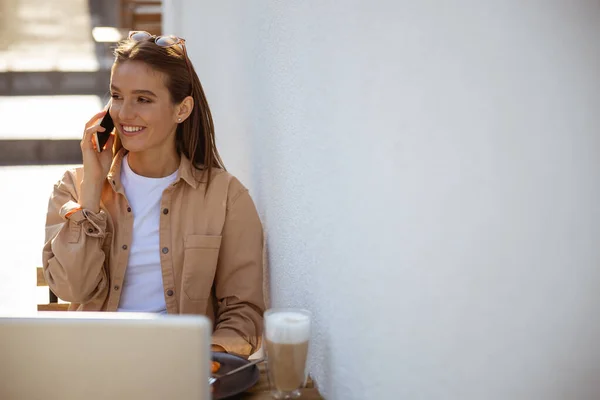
(144,100)
(115,96)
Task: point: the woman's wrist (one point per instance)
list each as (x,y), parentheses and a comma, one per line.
(90,196)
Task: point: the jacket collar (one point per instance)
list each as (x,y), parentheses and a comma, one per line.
(191,175)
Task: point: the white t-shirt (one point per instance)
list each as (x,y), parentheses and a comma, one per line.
(143,286)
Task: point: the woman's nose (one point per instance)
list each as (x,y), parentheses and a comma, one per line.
(126,113)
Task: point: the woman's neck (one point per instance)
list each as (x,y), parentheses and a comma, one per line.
(153,164)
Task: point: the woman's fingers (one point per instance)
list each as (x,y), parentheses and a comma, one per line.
(88,137)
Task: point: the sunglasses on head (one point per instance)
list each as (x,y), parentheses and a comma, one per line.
(164,41)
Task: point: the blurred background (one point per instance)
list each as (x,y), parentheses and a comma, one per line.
(55,59)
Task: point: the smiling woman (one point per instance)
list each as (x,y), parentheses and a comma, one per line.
(146,118)
(153,222)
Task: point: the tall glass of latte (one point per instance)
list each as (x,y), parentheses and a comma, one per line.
(287,332)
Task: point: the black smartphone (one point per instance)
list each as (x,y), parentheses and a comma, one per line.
(102,137)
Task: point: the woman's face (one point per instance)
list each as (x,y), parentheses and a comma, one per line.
(141,108)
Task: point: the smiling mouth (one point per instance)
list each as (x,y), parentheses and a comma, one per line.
(129,130)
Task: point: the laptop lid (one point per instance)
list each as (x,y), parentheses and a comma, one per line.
(93,356)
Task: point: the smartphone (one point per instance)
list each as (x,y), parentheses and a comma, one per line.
(102,137)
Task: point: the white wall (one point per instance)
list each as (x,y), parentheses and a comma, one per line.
(428,175)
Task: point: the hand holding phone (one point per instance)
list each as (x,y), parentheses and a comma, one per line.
(96,162)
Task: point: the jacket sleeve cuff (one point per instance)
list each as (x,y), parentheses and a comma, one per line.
(92,224)
(232,342)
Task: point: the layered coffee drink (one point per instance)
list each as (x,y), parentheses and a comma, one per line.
(287,334)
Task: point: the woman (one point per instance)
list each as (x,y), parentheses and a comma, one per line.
(153,222)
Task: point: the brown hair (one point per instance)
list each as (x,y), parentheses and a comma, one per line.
(195,137)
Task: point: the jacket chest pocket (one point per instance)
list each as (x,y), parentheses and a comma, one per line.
(201,254)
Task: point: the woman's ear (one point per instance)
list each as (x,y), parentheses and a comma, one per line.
(184,109)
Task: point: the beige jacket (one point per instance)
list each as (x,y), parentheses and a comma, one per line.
(211,246)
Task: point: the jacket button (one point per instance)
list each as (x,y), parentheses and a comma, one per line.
(116,287)
(165,250)
(166,211)
(124,247)
(128,209)
(170,292)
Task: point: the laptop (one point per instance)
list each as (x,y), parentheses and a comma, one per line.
(99,356)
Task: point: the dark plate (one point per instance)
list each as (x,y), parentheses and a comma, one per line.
(237,383)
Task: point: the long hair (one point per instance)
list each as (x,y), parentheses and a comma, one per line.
(195,137)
